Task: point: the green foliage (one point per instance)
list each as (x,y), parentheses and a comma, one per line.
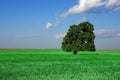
(79,38)
(46,65)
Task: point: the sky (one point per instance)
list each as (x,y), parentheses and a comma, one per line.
(44,23)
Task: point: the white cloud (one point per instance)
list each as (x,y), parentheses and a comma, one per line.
(48,25)
(103,33)
(85,6)
(113,5)
(58,36)
(118,34)
(107,33)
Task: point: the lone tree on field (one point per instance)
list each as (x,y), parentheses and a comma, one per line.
(79,38)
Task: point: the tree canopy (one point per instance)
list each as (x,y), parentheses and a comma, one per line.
(79,38)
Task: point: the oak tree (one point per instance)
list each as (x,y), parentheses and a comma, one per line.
(79,38)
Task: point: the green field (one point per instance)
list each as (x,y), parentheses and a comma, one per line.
(59,65)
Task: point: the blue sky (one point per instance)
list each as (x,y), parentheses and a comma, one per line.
(43,23)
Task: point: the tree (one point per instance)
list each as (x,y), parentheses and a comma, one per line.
(79,38)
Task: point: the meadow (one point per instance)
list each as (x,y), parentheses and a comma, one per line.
(54,64)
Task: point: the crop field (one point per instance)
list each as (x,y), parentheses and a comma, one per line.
(53,64)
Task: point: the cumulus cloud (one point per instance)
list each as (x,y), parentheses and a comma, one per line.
(107,33)
(59,36)
(48,25)
(113,5)
(85,6)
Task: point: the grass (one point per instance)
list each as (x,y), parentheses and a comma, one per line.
(59,65)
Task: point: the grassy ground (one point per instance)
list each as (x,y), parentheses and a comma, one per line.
(59,65)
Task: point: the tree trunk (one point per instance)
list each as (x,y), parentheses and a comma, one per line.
(75,52)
